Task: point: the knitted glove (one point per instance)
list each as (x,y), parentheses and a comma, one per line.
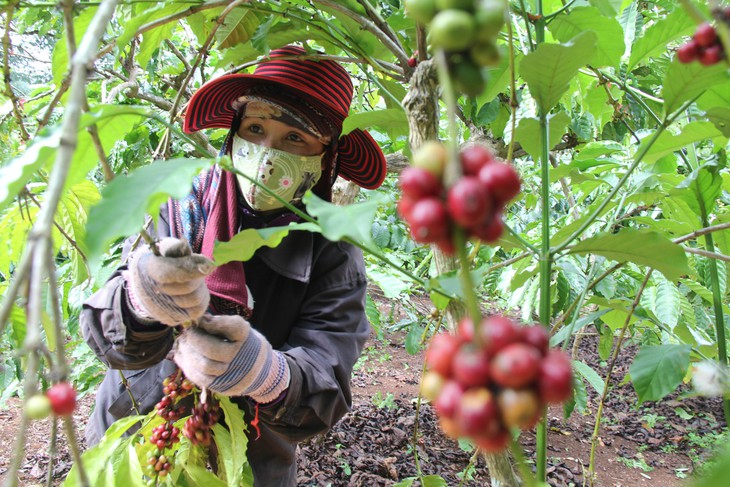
(226,355)
(169,288)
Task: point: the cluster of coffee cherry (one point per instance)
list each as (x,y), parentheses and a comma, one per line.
(485,385)
(705,47)
(175,387)
(198,427)
(474,202)
(466,30)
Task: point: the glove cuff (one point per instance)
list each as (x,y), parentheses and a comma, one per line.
(135,306)
(273,382)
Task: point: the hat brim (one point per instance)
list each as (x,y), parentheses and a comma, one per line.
(360,158)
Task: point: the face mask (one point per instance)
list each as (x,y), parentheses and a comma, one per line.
(288,175)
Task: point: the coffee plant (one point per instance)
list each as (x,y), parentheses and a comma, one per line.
(564,163)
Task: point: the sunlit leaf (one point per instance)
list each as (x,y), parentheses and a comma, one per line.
(337,222)
(16,174)
(667,142)
(683,82)
(127,199)
(609,46)
(590,375)
(659,34)
(643,247)
(245,243)
(392,120)
(657,370)
(549,69)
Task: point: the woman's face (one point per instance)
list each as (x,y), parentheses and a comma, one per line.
(279,135)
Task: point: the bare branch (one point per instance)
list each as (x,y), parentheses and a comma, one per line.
(707,253)
(703,231)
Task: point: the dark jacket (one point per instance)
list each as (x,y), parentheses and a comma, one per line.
(309,303)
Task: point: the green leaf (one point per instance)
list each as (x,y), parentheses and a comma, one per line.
(433,481)
(609,8)
(549,69)
(127,199)
(236,443)
(391,120)
(716,471)
(339,222)
(605,342)
(683,82)
(151,41)
(245,243)
(610,45)
(700,190)
(529,135)
(667,305)
(413,339)
(110,122)
(590,375)
(498,79)
(391,285)
(667,142)
(658,370)
(643,247)
(720,116)
(143,14)
(562,334)
(16,174)
(657,36)
(593,150)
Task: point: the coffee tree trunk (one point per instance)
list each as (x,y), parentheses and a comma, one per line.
(421,104)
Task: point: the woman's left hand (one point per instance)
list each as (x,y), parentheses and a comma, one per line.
(226,355)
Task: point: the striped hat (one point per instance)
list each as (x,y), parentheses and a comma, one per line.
(324,85)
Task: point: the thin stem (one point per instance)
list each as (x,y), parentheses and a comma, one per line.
(467,283)
(713,256)
(68,428)
(612,364)
(546,256)
(702,231)
(521,462)
(521,239)
(513,91)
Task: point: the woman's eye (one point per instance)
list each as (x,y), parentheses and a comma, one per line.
(295,138)
(255,129)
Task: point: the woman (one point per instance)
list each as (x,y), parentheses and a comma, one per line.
(281,332)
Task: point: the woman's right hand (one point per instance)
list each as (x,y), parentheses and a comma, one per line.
(169,288)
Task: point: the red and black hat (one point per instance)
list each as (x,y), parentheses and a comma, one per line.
(325,85)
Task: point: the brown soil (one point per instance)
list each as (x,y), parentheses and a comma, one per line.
(374,444)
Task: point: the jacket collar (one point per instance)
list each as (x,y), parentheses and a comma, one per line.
(292,258)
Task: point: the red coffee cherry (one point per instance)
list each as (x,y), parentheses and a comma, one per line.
(473,158)
(470,366)
(448,401)
(440,353)
(688,52)
(537,336)
(711,55)
(63,398)
(477,413)
(429,221)
(489,230)
(516,365)
(501,180)
(418,183)
(555,378)
(468,202)
(497,332)
(705,35)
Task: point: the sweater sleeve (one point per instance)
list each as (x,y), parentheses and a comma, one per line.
(322,349)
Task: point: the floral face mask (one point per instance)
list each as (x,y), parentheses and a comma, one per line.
(288,175)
